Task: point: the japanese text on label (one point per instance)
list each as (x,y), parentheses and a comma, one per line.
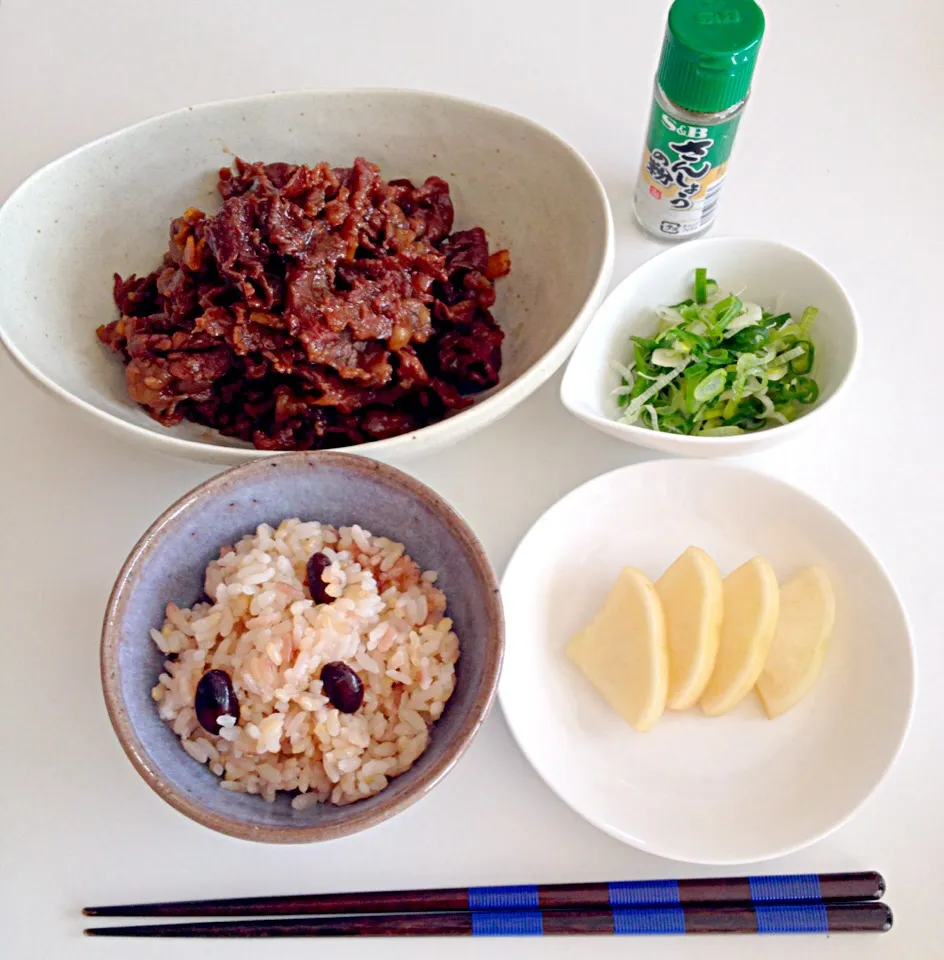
(686,172)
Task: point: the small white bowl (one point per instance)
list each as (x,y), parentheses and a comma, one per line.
(713,790)
(769,273)
(106,208)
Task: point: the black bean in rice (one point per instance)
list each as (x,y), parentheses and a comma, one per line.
(387,622)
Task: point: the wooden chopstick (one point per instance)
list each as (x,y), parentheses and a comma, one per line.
(870,917)
(824,887)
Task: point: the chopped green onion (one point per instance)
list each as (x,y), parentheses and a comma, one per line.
(807,390)
(655,387)
(729,431)
(666,358)
(693,376)
(726,312)
(690,341)
(641,352)
(770,411)
(804,362)
(622,392)
(640,384)
(749,338)
(719,356)
(807,318)
(788,355)
(749,316)
(701,285)
(717,366)
(711,386)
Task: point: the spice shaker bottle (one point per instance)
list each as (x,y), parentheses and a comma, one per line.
(701,88)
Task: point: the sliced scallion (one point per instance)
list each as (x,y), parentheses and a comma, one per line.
(807,318)
(804,362)
(718,367)
(657,385)
(701,285)
(711,386)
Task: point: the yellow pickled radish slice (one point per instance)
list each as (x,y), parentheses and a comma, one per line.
(622,651)
(751,606)
(807,616)
(691,595)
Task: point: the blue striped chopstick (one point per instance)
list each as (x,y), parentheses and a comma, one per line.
(751,890)
(795,918)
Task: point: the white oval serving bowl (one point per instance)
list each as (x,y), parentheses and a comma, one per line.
(769,273)
(713,790)
(106,208)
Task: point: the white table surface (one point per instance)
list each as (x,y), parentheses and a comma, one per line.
(839,153)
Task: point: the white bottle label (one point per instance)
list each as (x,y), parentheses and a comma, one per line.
(683,172)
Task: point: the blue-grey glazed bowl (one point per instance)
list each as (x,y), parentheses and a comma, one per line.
(168,564)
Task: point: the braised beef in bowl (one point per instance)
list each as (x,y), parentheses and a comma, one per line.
(319,307)
(105,209)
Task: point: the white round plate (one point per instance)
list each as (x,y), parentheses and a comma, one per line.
(734,789)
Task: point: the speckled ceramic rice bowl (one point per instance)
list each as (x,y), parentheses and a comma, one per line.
(301,647)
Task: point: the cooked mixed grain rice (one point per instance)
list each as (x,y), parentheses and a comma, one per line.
(386,622)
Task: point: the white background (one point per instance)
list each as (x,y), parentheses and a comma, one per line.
(839,154)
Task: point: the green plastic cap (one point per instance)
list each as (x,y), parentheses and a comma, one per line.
(709,53)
